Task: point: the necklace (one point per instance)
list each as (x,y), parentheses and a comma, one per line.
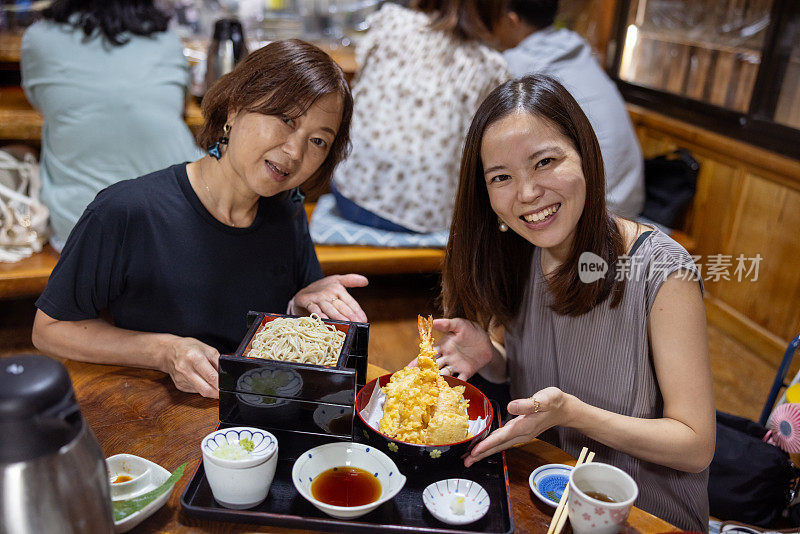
(212,196)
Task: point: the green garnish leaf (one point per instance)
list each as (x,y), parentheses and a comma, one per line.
(552,496)
(123,509)
(247,444)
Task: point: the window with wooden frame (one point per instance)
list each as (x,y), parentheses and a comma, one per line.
(732,66)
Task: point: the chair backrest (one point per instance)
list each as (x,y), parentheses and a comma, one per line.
(780,379)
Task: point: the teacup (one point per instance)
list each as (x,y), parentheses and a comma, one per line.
(600,498)
(240,483)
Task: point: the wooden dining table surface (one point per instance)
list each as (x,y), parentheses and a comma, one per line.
(141,412)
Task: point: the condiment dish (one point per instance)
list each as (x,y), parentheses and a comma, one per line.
(128,476)
(146,476)
(243,482)
(548,481)
(315,461)
(456,501)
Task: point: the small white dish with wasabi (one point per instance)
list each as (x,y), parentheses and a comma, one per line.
(239,464)
(139,488)
(456,501)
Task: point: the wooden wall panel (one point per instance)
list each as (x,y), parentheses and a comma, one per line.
(654,144)
(711,218)
(767,224)
(747,202)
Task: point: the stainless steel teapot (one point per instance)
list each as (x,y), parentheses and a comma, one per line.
(52,471)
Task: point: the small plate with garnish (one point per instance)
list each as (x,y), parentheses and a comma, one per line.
(139,487)
(548,482)
(456,501)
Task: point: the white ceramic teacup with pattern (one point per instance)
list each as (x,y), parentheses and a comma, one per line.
(243,482)
(590,515)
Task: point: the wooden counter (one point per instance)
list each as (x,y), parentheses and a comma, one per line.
(140,412)
(28,277)
(20,122)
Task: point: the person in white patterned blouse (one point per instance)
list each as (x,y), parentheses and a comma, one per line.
(423,72)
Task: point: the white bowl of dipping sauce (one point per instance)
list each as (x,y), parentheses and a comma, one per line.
(346,479)
(240,464)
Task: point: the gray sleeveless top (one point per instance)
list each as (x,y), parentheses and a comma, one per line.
(603,358)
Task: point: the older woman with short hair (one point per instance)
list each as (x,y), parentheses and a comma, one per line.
(179,256)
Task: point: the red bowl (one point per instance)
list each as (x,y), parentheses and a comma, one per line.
(479,406)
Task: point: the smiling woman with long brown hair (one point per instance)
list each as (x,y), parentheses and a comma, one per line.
(605,335)
(178,257)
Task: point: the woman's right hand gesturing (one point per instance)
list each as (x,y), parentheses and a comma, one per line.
(193,366)
(465,347)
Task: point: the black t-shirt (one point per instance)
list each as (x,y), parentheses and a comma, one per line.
(149,252)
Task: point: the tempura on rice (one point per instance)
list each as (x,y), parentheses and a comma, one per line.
(420,406)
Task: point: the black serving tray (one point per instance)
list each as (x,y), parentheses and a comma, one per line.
(405,513)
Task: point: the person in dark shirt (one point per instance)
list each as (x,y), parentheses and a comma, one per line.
(178,257)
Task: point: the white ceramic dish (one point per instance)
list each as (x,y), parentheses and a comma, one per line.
(147,476)
(245,482)
(319,459)
(439,496)
(548,482)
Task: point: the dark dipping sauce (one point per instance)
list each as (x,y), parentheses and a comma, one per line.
(599,496)
(346,486)
(122,478)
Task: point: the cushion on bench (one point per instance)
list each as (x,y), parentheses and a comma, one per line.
(330,228)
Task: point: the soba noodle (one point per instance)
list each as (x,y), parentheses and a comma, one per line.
(301,340)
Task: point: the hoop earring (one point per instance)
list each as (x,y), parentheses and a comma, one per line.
(503,227)
(215,150)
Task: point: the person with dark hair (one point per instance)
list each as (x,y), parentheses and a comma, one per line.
(533,45)
(178,257)
(422,73)
(605,333)
(111,83)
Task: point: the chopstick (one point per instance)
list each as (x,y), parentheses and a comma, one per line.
(562,512)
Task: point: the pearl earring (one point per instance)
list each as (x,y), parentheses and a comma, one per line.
(501,225)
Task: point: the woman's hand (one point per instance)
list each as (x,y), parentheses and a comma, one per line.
(328,297)
(193,366)
(465,347)
(550,408)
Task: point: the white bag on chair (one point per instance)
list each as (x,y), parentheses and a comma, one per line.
(23,218)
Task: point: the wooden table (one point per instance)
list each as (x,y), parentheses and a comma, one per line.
(141,412)
(27,277)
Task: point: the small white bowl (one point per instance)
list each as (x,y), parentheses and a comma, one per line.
(439,496)
(547,482)
(138,469)
(244,483)
(319,459)
(149,476)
